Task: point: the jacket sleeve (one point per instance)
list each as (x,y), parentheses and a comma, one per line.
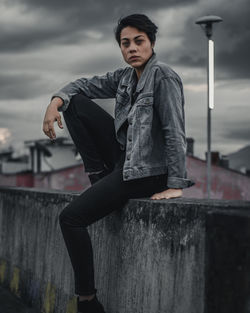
(169,103)
(96,87)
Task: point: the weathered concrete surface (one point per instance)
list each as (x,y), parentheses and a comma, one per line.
(227,262)
(9,303)
(150,256)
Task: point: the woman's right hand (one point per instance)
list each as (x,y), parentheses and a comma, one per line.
(51,116)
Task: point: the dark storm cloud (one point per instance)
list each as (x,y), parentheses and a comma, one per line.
(241,131)
(95,66)
(231,37)
(64,22)
(23,113)
(99,7)
(21,86)
(6,116)
(70,19)
(236,62)
(25,39)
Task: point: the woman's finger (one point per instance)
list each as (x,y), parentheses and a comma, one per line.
(51,134)
(59,121)
(46,129)
(52,131)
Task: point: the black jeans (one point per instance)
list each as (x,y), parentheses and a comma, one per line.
(92,130)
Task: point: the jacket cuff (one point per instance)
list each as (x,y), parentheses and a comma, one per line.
(179,183)
(65,99)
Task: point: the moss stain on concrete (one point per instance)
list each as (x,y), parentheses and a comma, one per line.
(2,270)
(14,284)
(71,306)
(49,301)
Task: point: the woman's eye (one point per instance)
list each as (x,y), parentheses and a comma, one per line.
(126,44)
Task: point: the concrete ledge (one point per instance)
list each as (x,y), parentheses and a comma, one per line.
(178,255)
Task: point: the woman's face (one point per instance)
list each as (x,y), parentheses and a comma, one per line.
(135,46)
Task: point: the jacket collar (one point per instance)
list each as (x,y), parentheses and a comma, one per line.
(143,76)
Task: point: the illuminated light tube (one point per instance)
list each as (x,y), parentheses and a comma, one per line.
(210,74)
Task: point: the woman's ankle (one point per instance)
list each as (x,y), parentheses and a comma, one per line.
(96,172)
(89,297)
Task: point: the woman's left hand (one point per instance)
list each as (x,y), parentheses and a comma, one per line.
(167,194)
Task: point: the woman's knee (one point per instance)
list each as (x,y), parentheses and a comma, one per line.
(63,216)
(79,98)
(80,103)
(68,217)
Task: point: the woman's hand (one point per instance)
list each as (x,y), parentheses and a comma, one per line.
(51,116)
(167,194)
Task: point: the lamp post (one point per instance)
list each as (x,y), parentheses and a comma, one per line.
(206,22)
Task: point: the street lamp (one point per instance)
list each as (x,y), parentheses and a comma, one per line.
(206,23)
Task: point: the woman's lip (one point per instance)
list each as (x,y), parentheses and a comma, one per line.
(134,57)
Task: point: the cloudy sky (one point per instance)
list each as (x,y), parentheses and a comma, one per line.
(45,44)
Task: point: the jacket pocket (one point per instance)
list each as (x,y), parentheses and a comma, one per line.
(144,114)
(144,110)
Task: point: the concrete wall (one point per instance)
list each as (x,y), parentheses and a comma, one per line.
(150,256)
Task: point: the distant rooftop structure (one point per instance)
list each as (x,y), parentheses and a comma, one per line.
(240,160)
(44,156)
(47,155)
(58,141)
(6,153)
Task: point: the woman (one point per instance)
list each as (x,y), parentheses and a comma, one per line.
(140,153)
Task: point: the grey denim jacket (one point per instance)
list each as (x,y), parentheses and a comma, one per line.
(155,140)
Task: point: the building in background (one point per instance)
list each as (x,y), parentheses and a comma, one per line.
(47,155)
(57,165)
(48,164)
(240,160)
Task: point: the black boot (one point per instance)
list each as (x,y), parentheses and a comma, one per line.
(89,306)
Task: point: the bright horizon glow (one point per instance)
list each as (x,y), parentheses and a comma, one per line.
(4,135)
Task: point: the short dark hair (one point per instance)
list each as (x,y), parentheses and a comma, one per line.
(139,21)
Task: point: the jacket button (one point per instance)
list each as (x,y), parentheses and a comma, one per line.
(128,157)
(129,139)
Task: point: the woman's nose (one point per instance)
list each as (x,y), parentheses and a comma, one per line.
(132,47)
